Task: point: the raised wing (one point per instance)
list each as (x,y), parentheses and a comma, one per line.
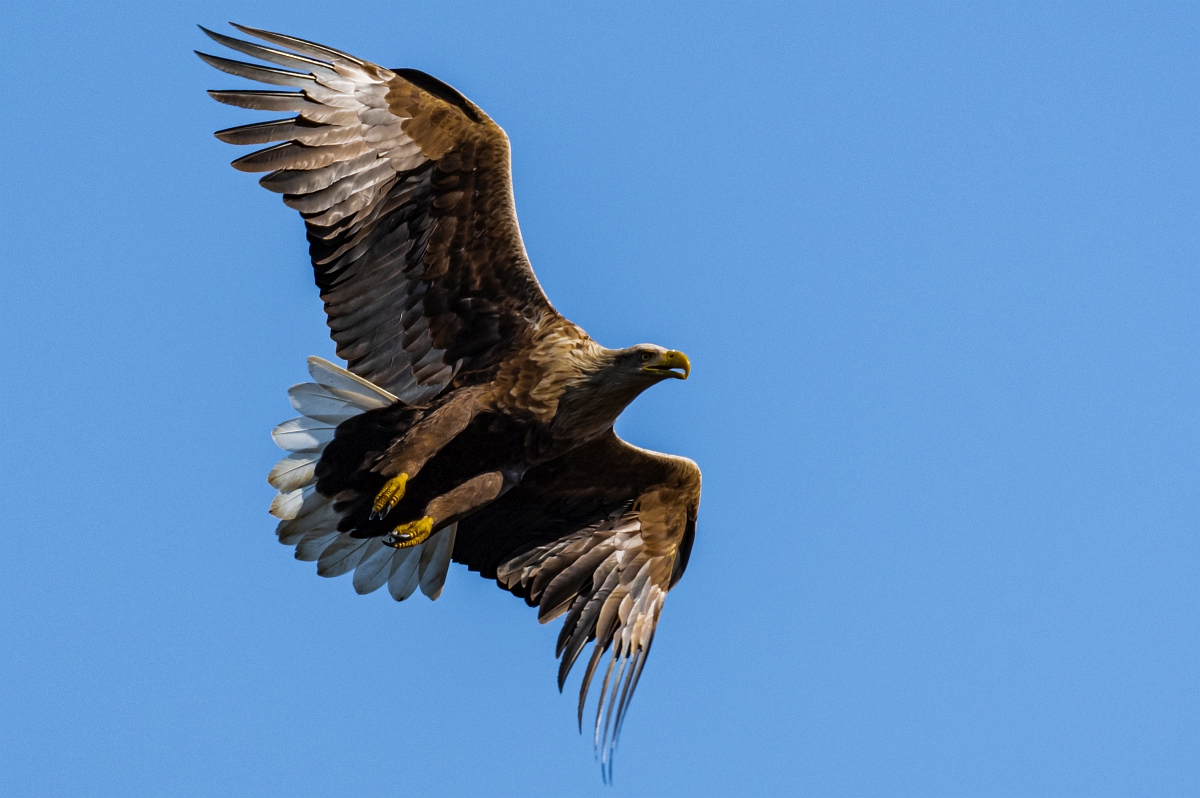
(406,191)
(601,534)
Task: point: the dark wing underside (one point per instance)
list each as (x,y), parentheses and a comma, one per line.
(405,189)
(600,534)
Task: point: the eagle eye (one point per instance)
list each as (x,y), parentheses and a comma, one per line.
(647,357)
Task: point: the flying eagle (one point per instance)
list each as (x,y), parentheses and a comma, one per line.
(474,422)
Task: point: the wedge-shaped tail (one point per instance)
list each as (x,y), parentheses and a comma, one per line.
(309,520)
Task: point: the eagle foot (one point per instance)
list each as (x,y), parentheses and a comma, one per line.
(411,534)
(389,496)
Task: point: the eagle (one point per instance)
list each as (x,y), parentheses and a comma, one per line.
(473,422)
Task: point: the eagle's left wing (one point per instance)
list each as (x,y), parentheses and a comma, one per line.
(600,534)
(406,192)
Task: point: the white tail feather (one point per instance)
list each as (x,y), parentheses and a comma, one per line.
(311,545)
(303,435)
(292,504)
(323,519)
(293,471)
(403,580)
(308,519)
(351,387)
(342,555)
(316,402)
(435,561)
(373,569)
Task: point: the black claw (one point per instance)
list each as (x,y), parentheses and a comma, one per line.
(394,540)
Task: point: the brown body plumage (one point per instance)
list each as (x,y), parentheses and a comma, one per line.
(475,421)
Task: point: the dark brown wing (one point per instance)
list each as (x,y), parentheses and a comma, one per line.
(601,534)
(405,188)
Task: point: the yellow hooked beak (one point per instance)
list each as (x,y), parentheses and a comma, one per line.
(669,361)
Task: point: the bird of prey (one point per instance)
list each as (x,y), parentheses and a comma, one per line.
(473,422)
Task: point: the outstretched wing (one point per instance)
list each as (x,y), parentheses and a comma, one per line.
(406,191)
(600,534)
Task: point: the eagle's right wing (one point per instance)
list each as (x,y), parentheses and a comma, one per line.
(600,534)
(406,191)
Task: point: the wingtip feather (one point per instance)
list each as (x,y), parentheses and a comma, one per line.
(298,45)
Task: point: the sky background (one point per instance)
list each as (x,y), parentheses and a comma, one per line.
(936,267)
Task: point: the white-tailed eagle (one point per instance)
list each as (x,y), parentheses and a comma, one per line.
(474,423)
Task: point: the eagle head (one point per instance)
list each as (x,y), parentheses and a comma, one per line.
(647,364)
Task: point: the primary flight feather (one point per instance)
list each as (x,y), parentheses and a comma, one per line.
(474,422)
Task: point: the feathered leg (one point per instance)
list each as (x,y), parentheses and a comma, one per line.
(448,508)
(423,441)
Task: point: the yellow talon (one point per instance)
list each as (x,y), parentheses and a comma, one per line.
(413,533)
(389,496)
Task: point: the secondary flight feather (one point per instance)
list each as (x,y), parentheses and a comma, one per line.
(473,423)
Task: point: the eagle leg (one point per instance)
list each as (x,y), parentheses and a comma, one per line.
(409,454)
(466,498)
(411,534)
(447,508)
(389,496)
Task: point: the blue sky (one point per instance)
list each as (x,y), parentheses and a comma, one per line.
(936,267)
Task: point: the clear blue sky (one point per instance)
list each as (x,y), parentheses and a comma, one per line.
(938,272)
